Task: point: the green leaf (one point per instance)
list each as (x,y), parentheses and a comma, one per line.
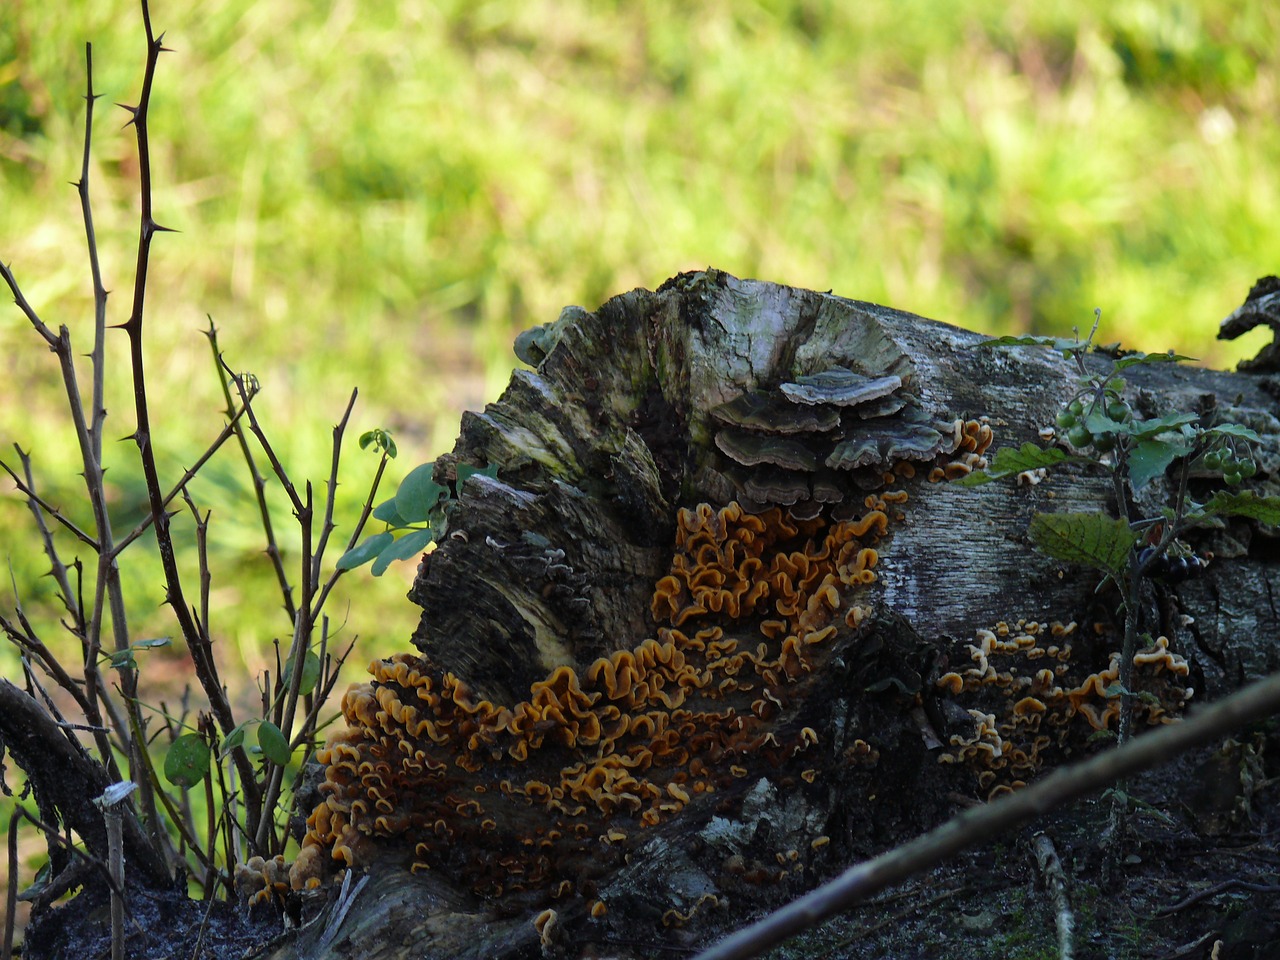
(310,673)
(1234,430)
(466,470)
(1009,461)
(122,660)
(364,551)
(235,738)
(125,659)
(43,877)
(386,512)
(1149,459)
(410,545)
(187,762)
(1150,429)
(419,494)
(274,746)
(1133,359)
(1092,539)
(1263,509)
(379,439)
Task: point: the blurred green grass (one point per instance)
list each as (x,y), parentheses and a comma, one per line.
(382,194)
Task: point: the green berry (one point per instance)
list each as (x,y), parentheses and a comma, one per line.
(1119,411)
(1213,460)
(1231,478)
(1076,406)
(1104,442)
(1066,420)
(1248,468)
(1079,436)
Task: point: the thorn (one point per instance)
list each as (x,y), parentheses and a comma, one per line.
(129,436)
(157,228)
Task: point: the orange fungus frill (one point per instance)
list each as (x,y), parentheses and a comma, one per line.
(538,794)
(1045,703)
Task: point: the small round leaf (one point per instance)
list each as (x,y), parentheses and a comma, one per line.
(187,762)
(274,746)
(310,673)
(418,494)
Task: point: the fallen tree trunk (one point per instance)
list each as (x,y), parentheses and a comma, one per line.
(688,644)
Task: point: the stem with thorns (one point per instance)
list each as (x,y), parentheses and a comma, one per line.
(197,640)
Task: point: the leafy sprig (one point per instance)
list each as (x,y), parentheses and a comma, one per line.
(415,517)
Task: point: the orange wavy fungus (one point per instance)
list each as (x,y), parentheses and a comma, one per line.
(544,794)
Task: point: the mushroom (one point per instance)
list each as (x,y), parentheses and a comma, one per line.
(627,740)
(759,410)
(752,450)
(839,387)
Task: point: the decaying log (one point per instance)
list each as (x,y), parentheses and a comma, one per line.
(708,616)
(812,412)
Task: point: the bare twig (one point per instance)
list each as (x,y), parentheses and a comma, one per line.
(58,568)
(326,528)
(365,512)
(1254,702)
(180,487)
(255,475)
(109,803)
(35,500)
(1055,882)
(1231,884)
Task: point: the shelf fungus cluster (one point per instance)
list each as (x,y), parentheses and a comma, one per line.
(791,444)
(663,597)
(545,794)
(1035,703)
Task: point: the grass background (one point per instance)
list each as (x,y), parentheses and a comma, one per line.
(382,194)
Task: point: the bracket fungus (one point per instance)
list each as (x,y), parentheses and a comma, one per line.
(538,794)
(665,599)
(1044,703)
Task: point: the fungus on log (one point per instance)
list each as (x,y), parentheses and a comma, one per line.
(706,634)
